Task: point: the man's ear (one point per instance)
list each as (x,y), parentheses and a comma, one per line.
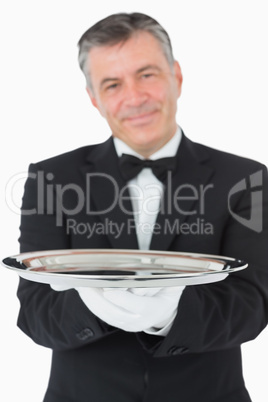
(92,97)
(178,76)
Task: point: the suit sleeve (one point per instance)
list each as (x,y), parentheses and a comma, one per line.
(228,313)
(58,320)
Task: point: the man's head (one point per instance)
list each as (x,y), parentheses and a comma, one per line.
(132,79)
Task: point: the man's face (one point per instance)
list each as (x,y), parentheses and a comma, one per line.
(136,91)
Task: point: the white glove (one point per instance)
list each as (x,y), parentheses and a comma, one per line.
(130,311)
(60,288)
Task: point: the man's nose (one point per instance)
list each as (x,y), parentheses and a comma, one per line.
(134,94)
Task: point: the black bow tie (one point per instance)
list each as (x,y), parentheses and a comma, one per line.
(131,166)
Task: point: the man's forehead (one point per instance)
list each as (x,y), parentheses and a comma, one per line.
(135,54)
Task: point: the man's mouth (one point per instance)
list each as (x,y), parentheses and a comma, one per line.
(142,118)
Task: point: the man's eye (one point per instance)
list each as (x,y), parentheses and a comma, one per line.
(148,75)
(112,86)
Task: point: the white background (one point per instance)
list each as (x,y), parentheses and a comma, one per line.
(222,49)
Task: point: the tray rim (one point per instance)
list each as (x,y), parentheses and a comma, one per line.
(43,253)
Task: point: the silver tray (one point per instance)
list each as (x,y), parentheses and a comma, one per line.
(121,268)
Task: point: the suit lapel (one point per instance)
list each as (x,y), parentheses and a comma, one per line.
(110,197)
(191,174)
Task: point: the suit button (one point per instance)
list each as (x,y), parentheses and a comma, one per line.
(85,334)
(177,350)
(146,377)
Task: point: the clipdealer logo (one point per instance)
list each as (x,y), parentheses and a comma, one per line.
(50,198)
(255,221)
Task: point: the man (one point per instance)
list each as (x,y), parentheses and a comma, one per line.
(177,344)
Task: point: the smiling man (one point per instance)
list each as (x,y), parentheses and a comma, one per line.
(136,91)
(155,185)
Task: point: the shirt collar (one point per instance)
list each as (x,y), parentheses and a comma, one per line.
(168,150)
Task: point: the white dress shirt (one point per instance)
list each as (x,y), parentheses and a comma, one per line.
(146,190)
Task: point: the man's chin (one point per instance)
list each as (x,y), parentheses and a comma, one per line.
(146,148)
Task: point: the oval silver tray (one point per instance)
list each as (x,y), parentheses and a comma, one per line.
(121,268)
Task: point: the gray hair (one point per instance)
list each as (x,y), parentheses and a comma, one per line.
(117,28)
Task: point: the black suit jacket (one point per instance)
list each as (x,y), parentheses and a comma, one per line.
(199,359)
